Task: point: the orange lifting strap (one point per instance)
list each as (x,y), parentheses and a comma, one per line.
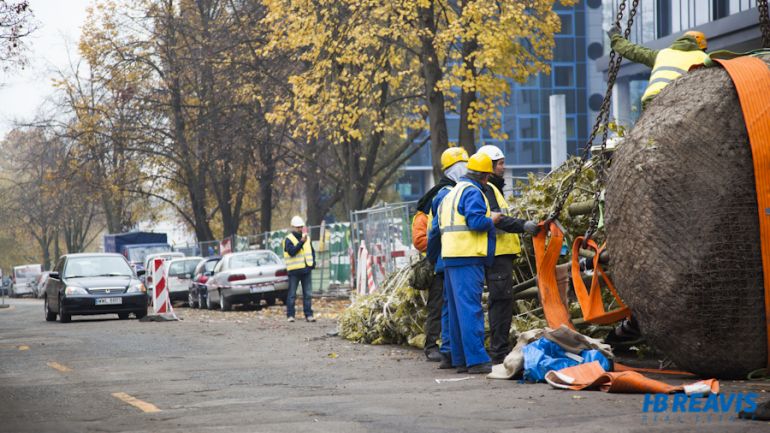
(556,313)
(751,77)
(591,301)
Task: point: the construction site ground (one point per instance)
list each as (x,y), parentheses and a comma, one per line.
(252,371)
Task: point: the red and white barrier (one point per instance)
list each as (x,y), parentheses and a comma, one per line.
(365,283)
(161,301)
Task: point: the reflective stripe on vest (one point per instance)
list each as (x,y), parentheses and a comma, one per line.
(457,239)
(669,65)
(303,259)
(507,243)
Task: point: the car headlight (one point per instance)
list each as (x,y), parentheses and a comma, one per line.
(137,288)
(75,291)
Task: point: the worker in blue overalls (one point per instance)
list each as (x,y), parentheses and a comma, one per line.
(467,226)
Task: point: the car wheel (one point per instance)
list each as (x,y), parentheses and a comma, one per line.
(141,314)
(123,316)
(191,302)
(49,315)
(64,316)
(224,303)
(270,302)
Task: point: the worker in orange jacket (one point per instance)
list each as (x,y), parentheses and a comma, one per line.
(453,162)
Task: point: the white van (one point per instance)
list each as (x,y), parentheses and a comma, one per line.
(22,278)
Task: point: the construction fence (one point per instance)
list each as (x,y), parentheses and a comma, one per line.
(354,255)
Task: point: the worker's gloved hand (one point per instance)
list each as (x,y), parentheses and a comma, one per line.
(532,228)
(496,217)
(614,30)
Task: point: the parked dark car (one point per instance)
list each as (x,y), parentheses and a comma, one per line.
(198,293)
(88,283)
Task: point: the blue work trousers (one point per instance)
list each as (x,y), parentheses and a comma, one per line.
(446,346)
(466,316)
(307,292)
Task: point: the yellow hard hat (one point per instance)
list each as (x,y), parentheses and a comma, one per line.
(480,162)
(700,38)
(452,156)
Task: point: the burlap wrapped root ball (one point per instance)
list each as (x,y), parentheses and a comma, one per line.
(683,228)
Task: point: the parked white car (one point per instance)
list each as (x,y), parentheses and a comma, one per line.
(180,273)
(149,275)
(247,278)
(22,277)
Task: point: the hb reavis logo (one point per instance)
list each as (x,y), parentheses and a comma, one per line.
(714,403)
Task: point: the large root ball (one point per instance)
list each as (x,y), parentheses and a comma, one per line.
(683,229)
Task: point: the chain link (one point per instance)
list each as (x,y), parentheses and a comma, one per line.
(764,22)
(602,119)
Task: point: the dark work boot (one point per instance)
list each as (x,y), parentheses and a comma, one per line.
(446,361)
(484,368)
(462,369)
(433,355)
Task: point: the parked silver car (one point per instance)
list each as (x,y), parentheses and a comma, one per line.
(180,273)
(247,278)
(38,286)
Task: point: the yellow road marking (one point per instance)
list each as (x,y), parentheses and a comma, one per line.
(23,347)
(133,401)
(57,366)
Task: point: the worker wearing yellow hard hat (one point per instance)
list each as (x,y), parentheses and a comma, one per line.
(453,164)
(499,275)
(667,64)
(467,243)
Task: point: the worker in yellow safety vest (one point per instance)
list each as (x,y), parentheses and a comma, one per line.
(299,256)
(667,64)
(467,225)
(499,275)
(453,165)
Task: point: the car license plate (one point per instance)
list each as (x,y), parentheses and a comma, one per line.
(261,289)
(109,301)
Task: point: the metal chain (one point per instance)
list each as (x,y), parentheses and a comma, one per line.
(603,117)
(764,22)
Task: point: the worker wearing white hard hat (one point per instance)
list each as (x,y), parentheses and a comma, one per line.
(299,256)
(500,275)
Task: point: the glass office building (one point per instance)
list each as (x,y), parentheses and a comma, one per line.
(526,117)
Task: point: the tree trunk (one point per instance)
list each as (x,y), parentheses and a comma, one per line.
(439,137)
(467,98)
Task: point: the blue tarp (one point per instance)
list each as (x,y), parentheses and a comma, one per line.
(543,355)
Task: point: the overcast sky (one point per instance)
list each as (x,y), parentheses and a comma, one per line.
(23,91)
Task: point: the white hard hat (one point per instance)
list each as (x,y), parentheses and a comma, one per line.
(297,221)
(494,152)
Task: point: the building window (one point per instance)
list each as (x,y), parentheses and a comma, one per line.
(563,76)
(566,24)
(720,9)
(663,18)
(528,127)
(410,185)
(564,50)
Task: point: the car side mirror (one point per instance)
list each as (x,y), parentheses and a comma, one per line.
(54,275)
(208,273)
(140,273)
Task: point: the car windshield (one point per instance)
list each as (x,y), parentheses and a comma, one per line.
(137,254)
(27,272)
(78,267)
(182,267)
(253,259)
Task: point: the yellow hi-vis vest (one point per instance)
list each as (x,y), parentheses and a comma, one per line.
(303,259)
(507,243)
(457,239)
(669,65)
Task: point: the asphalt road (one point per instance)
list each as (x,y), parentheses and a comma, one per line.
(254,372)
